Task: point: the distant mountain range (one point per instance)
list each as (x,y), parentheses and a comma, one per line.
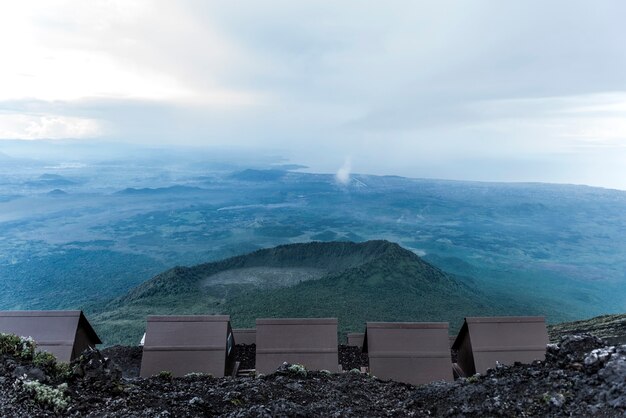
(259,175)
(158,190)
(356,282)
(50,180)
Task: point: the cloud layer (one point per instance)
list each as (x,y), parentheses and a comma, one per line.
(30,127)
(484,90)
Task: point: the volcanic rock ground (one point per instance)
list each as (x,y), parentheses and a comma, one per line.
(581,376)
(611,328)
(350,357)
(129,358)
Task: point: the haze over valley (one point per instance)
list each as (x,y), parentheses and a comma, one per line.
(78,232)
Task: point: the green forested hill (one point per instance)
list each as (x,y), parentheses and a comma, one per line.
(356,282)
(327,257)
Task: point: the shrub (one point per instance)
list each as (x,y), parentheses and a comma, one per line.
(473,379)
(22,347)
(298,369)
(164,374)
(63,371)
(198,375)
(44,360)
(47,362)
(43,394)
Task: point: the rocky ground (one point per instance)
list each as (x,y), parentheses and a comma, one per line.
(351,358)
(129,358)
(611,328)
(245,354)
(581,376)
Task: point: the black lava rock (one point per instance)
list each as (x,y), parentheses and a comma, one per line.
(580,377)
(126,358)
(351,357)
(245,354)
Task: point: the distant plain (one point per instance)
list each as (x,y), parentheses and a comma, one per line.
(78,232)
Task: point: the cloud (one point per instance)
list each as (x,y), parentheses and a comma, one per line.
(343,174)
(112,49)
(486,90)
(30,127)
(556,124)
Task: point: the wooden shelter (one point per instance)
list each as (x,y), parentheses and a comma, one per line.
(188,344)
(355,339)
(409,352)
(311,342)
(244,336)
(484,341)
(65,334)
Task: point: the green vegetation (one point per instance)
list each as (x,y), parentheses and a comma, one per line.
(13,345)
(371,281)
(54,368)
(46,395)
(71,278)
(473,379)
(609,327)
(196,375)
(25,348)
(298,370)
(164,374)
(43,359)
(530,248)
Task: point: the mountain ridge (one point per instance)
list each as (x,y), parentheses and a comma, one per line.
(287,255)
(356,282)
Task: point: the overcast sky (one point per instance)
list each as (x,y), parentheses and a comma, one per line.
(479,90)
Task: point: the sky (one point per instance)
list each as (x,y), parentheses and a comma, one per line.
(471,90)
